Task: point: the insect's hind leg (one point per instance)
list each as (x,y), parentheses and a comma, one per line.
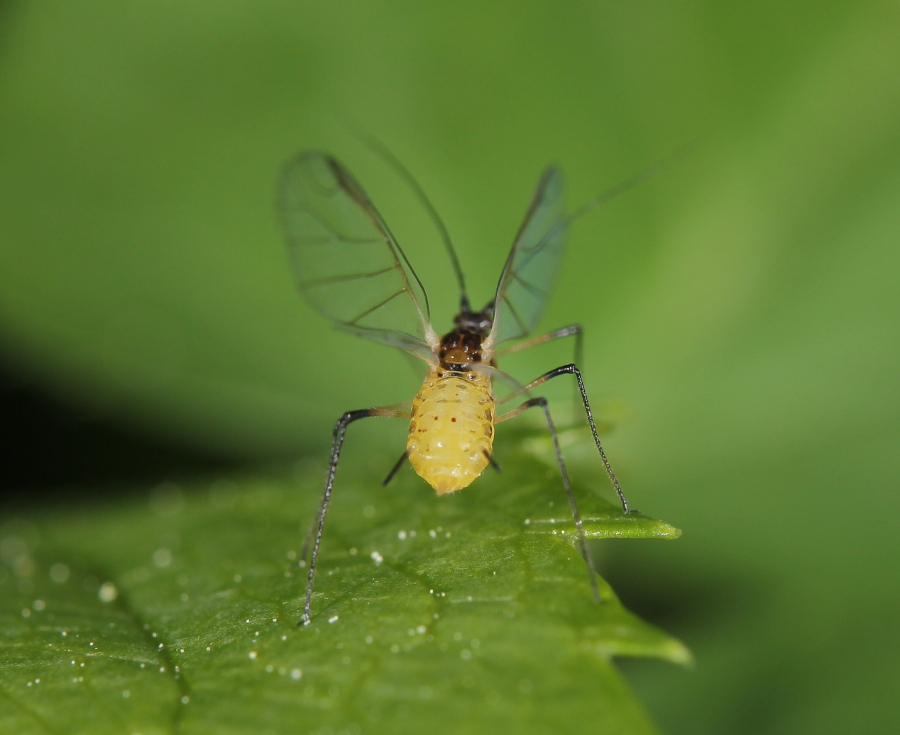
(579,526)
(573,330)
(572,369)
(315,535)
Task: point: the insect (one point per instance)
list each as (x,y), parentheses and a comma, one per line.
(351,269)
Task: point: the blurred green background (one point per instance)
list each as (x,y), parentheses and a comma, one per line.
(740,308)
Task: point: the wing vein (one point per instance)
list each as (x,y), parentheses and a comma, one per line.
(346,261)
(349,277)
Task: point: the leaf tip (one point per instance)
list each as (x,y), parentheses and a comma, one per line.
(677,653)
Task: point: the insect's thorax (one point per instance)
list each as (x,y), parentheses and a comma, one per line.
(452,426)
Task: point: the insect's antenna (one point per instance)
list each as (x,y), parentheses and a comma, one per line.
(630,183)
(377,147)
(627,185)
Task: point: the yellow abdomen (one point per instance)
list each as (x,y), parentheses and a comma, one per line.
(452,428)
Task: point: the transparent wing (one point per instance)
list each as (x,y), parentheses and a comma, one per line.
(532,264)
(346,261)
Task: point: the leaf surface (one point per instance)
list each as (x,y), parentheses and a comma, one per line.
(459,614)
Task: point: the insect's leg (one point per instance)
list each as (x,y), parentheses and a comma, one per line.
(573,370)
(494,464)
(395,469)
(575,330)
(572,329)
(582,544)
(340,428)
(306,543)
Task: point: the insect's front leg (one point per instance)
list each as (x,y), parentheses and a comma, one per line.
(573,330)
(315,536)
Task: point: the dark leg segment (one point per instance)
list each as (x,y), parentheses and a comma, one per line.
(494,464)
(573,370)
(573,330)
(340,428)
(582,544)
(395,469)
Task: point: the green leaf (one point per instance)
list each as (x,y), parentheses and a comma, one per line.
(458,614)
(72,662)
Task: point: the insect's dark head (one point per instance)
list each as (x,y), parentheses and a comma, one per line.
(477,322)
(462,348)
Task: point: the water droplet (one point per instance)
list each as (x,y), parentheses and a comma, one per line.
(162,557)
(59,573)
(107,592)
